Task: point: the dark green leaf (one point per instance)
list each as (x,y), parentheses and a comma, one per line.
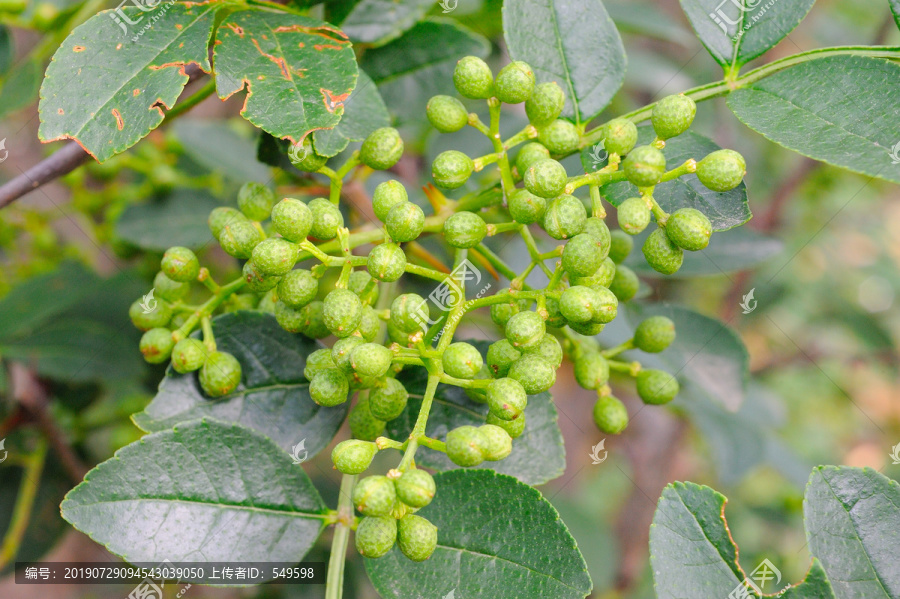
(725,210)
(853,526)
(273,397)
(204,489)
(7,49)
(380,21)
(177,219)
(764,23)
(302,66)
(631,17)
(20,88)
(572,42)
(220,149)
(895,8)
(130,77)
(857,130)
(364,111)
(497,537)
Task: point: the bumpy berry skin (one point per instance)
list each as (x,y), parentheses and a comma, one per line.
(371,359)
(340,352)
(313,315)
(220,374)
(545,104)
(654,334)
(188,355)
(534,372)
(525,329)
(451,169)
(644,166)
(386,262)
(497,442)
(275,256)
(329,387)
(506,398)
(375,536)
(159,317)
(591,370)
(374,496)
(565,217)
(297,288)
(258,281)
(589,329)
(415,488)
(408,312)
(387,195)
(503,311)
(473,78)
(156,345)
(308,160)
(416,537)
(514,83)
(610,415)
(603,276)
(360,283)
(500,356)
(343,312)
(381,149)
(167,289)
(529,154)
(363,424)
(464,230)
(673,115)
(405,222)
(619,137)
(721,170)
(292,219)
(353,456)
(661,254)
(625,283)
(221,216)
(578,303)
(316,361)
(464,446)
(620,246)
(656,387)
(545,178)
(597,228)
(525,207)
(180,264)
(689,229)
(239,238)
(370,324)
(606,310)
(634,215)
(388,402)
(560,137)
(582,255)
(549,349)
(554,316)
(327,219)
(462,360)
(292,320)
(255,201)
(515,428)
(446,114)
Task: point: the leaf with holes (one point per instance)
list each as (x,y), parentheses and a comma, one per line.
(364,111)
(132,73)
(298,71)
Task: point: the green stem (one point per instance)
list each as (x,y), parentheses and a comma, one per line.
(496,261)
(419,428)
(207,308)
(28,488)
(424,271)
(505,173)
(334,583)
(525,134)
(618,349)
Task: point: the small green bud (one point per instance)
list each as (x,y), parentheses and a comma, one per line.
(221,216)
(329,387)
(515,428)
(464,446)
(313,315)
(525,207)
(506,398)
(545,178)
(619,136)
(363,424)
(534,372)
(180,264)
(654,334)
(371,359)
(387,195)
(634,215)
(644,166)
(375,536)
(297,288)
(656,387)
(340,352)
(238,238)
(292,219)
(473,78)
(462,360)
(415,488)
(446,114)
(255,201)
(156,345)
(560,137)
(353,456)
(582,255)
(327,219)
(168,289)
(591,370)
(620,245)
(549,349)
(545,104)
(381,149)
(451,169)
(416,537)
(497,442)
(500,356)
(661,254)
(525,329)
(343,312)
(610,415)
(721,170)
(188,355)
(689,229)
(673,115)
(625,284)
(464,230)
(386,262)
(374,496)
(529,154)
(158,317)
(405,222)
(304,157)
(316,361)
(565,217)
(409,312)
(388,401)
(220,374)
(514,83)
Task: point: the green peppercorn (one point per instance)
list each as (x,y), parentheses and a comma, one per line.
(386,262)
(500,356)
(534,372)
(313,315)
(388,401)
(634,215)
(464,230)
(625,283)
(721,170)
(188,355)
(340,352)
(689,229)
(327,219)
(610,415)
(464,446)
(316,361)
(515,428)
(329,387)
(221,216)
(158,317)
(363,424)
(514,83)
(381,149)
(292,219)
(591,370)
(371,359)
(673,115)
(578,304)
(362,284)
(661,254)
(416,537)
(375,536)
(582,255)
(268,301)
(156,345)
(503,311)
(619,136)
(560,137)
(292,320)
(374,496)
(525,207)
(529,154)
(506,398)
(545,104)
(554,316)
(446,114)
(415,488)
(220,374)
(238,238)
(565,217)
(473,78)
(549,349)
(545,178)
(644,166)
(620,245)
(353,456)
(497,443)
(525,329)
(597,228)
(304,157)
(297,288)
(343,312)
(656,387)
(258,281)
(605,311)
(369,325)
(255,201)
(451,169)
(654,334)
(409,312)
(462,360)
(180,264)
(275,256)
(588,329)
(387,195)
(405,222)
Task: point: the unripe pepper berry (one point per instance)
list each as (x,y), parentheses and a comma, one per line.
(258,281)
(388,401)
(405,222)
(361,283)
(529,154)
(464,446)
(415,488)
(255,201)
(625,283)
(220,374)
(374,496)
(316,361)
(656,387)
(545,104)
(371,359)
(525,329)
(545,178)
(381,149)
(353,456)
(462,360)
(565,217)
(292,320)
(673,115)
(591,370)
(168,289)
(578,303)
(451,169)
(534,372)
(156,345)
(343,312)
(610,415)
(275,256)
(560,137)
(506,398)
(588,329)
(497,442)
(582,255)
(363,424)
(159,317)
(370,325)
(661,254)
(554,316)
(313,315)
(515,428)
(180,264)
(292,219)
(503,311)
(473,78)
(500,356)
(297,288)
(525,207)
(375,536)
(340,352)
(514,83)
(605,311)
(654,334)
(644,166)
(238,238)
(464,230)
(386,262)
(221,216)
(416,537)
(446,114)
(329,387)
(721,170)
(188,355)
(620,245)
(619,136)
(633,215)
(689,229)
(409,312)
(549,349)
(597,228)
(306,158)
(387,195)
(327,219)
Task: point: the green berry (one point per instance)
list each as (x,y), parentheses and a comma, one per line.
(327,219)
(545,178)
(506,398)
(605,311)
(619,136)
(634,215)
(588,329)
(534,372)
(473,78)
(255,201)
(374,496)
(582,255)
(409,312)
(371,359)
(381,149)
(313,315)
(222,216)
(545,104)
(689,229)
(610,415)
(156,345)
(560,137)
(268,301)
(446,114)
(292,219)
(220,374)
(370,325)
(362,284)
(158,317)
(180,264)
(340,352)
(405,222)
(304,156)
(644,166)
(525,207)
(343,312)
(464,446)
(387,195)
(529,154)
(353,456)
(579,303)
(274,256)
(597,228)
(514,83)
(363,424)
(656,387)
(375,536)
(188,355)
(329,387)
(292,320)
(591,370)
(258,281)
(620,245)
(602,277)
(515,428)
(416,537)
(661,254)
(415,488)
(238,238)
(451,169)
(525,329)
(462,360)
(549,349)
(497,442)
(464,230)
(503,311)
(673,115)
(167,289)
(565,217)
(500,356)
(554,316)
(316,361)
(388,401)
(721,170)
(625,283)
(386,262)
(297,288)
(654,334)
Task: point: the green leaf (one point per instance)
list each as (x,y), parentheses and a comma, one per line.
(364,111)
(273,397)
(572,42)
(20,87)
(725,210)
(302,66)
(631,17)
(538,455)
(857,131)
(130,78)
(497,537)
(177,219)
(853,526)
(764,23)
(7,49)
(895,8)
(202,490)
(220,149)
(380,21)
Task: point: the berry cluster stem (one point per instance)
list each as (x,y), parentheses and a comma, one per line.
(334,583)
